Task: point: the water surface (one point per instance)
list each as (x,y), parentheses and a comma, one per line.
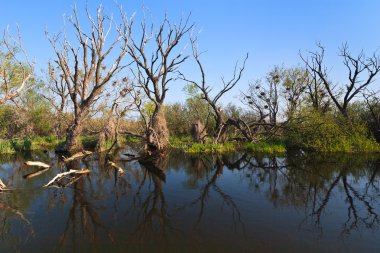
(183,203)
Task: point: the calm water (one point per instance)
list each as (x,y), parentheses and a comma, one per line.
(182,203)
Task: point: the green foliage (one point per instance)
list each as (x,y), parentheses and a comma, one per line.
(132,139)
(330,133)
(27,144)
(6,147)
(8,124)
(177,119)
(181,142)
(89,141)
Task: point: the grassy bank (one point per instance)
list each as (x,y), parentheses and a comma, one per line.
(186,144)
(353,144)
(265,147)
(28,144)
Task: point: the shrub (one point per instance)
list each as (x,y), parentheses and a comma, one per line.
(329,133)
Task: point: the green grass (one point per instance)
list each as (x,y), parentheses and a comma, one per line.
(181,142)
(28,144)
(211,148)
(264,147)
(187,144)
(132,139)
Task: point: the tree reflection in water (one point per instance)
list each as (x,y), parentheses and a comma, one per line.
(212,168)
(139,208)
(153,219)
(311,182)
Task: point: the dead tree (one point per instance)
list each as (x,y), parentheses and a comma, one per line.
(122,103)
(316,92)
(361,73)
(205,89)
(156,61)
(57,97)
(198,131)
(88,67)
(16,70)
(264,100)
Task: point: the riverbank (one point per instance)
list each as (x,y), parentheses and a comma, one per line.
(186,144)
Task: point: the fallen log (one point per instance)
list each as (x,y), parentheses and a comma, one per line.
(38,164)
(34,174)
(64,174)
(118,169)
(76,156)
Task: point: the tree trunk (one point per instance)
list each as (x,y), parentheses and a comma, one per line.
(72,143)
(198,131)
(157,136)
(219,127)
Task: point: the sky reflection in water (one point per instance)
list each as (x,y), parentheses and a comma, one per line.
(182,203)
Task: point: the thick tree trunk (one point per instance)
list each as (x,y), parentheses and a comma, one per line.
(157,135)
(198,131)
(72,143)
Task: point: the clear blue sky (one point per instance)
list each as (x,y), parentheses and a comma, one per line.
(272,31)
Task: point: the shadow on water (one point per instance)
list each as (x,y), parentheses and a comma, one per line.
(206,203)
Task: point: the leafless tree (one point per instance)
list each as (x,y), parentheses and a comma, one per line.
(265,99)
(221,123)
(115,111)
(57,96)
(316,92)
(88,67)
(16,70)
(361,73)
(156,61)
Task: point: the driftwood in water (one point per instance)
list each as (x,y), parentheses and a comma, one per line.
(117,168)
(34,174)
(38,164)
(2,185)
(58,177)
(77,156)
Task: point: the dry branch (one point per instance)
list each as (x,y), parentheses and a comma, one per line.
(117,168)
(77,156)
(38,164)
(2,185)
(64,174)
